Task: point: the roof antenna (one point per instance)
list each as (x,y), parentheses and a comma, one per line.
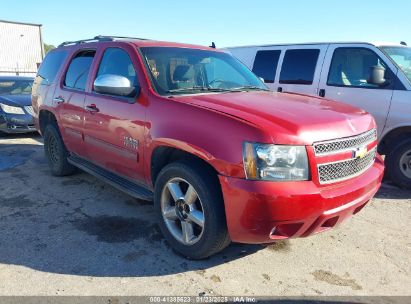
(212,45)
(403,43)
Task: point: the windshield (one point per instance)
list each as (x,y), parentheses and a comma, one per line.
(191,71)
(402,57)
(15,87)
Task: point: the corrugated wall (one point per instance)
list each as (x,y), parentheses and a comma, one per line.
(20,48)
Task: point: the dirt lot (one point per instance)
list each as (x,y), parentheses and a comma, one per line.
(79,236)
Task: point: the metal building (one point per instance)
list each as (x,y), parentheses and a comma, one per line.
(21,48)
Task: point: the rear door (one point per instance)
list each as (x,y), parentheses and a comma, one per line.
(345,74)
(301,69)
(115,125)
(69,100)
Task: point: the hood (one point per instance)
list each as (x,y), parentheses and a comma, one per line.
(16,100)
(288,118)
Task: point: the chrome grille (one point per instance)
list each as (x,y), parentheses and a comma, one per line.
(339,171)
(344,144)
(29,110)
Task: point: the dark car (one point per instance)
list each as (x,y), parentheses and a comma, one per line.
(16,112)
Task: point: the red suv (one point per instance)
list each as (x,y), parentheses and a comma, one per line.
(190,127)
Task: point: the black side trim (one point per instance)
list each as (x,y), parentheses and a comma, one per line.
(125,185)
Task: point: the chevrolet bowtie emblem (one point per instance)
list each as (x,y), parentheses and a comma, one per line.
(360,152)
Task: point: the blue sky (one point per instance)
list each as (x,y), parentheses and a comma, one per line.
(228,23)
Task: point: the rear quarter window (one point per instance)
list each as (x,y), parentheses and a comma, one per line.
(299,66)
(50,66)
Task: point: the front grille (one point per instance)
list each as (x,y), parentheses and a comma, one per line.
(344,144)
(339,171)
(29,110)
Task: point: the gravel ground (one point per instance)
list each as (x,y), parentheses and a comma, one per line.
(79,236)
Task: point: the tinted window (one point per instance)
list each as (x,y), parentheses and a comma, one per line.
(299,66)
(77,72)
(50,66)
(350,67)
(265,65)
(117,62)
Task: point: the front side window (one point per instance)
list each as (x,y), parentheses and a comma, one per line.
(265,64)
(15,87)
(192,71)
(299,66)
(117,62)
(352,67)
(77,72)
(402,57)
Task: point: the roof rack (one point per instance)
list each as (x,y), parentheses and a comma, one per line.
(99,38)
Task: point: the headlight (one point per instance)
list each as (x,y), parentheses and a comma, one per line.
(11,110)
(275,162)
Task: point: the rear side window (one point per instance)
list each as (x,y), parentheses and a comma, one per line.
(77,72)
(50,66)
(299,66)
(265,64)
(117,62)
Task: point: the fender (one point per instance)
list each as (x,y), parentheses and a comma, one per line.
(212,136)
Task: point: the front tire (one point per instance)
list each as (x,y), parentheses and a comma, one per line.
(56,152)
(190,210)
(398,164)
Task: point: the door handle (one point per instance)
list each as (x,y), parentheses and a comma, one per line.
(321,93)
(92,108)
(280,89)
(59,99)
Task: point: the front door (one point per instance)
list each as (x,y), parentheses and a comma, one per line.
(114,125)
(345,78)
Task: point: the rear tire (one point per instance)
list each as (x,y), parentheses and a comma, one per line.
(195,225)
(398,164)
(56,152)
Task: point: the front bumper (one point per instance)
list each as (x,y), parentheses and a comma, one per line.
(263,212)
(16,123)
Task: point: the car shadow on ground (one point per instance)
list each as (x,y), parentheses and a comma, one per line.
(78,225)
(389,190)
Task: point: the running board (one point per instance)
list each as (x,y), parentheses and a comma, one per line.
(113,179)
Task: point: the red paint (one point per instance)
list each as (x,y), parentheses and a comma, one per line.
(214,127)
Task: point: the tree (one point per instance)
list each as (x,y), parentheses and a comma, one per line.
(48,47)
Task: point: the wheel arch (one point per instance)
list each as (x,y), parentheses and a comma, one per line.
(46,117)
(165,153)
(393,136)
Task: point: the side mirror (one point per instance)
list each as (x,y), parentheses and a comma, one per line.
(115,85)
(376,76)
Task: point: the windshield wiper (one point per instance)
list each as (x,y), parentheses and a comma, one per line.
(201,88)
(249,88)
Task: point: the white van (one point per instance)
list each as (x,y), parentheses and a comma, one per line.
(374,77)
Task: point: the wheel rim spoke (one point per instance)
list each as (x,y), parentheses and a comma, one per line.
(182,211)
(170,213)
(196,217)
(175,191)
(188,232)
(190,196)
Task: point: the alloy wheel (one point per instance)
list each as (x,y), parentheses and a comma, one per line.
(182,211)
